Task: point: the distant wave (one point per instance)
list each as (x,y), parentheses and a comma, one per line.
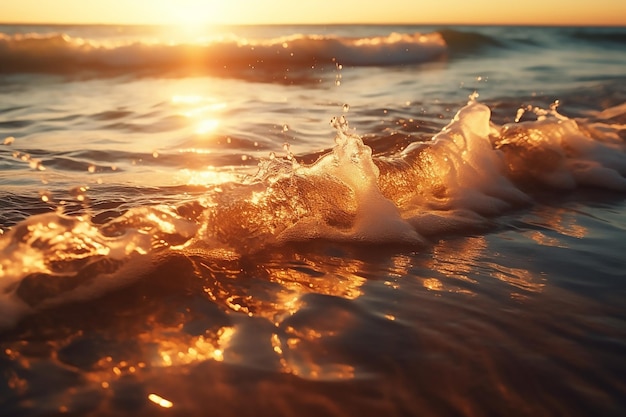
(465,42)
(613,36)
(63,54)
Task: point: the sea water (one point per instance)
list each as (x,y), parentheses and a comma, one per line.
(312,220)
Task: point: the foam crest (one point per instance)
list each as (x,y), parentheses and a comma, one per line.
(558,152)
(375,218)
(454,182)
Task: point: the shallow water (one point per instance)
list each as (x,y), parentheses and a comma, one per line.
(183,238)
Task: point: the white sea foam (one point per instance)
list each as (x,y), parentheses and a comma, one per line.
(556,152)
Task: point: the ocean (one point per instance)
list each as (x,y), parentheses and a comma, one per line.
(344,220)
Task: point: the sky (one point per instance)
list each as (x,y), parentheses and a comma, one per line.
(538,12)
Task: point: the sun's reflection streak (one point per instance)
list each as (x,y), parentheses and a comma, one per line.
(203,111)
(208,176)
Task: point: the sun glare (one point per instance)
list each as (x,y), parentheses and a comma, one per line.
(195,14)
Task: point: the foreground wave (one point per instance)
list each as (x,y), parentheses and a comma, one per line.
(471,171)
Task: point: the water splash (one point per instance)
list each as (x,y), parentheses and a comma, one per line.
(469,172)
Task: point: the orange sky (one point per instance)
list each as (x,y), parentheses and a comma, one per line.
(540,12)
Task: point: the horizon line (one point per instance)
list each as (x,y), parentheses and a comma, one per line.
(209,24)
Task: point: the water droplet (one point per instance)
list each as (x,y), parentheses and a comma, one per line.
(155,154)
(36,164)
(555,105)
(346,108)
(91,168)
(45,196)
(285,128)
(8,140)
(337,83)
(79,193)
(244,157)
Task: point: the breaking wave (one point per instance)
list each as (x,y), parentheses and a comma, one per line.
(230,55)
(470,172)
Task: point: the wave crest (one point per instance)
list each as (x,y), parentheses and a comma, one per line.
(63,54)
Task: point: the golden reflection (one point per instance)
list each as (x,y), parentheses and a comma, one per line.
(544,240)
(459,259)
(158,400)
(433,284)
(340,279)
(193,349)
(517,277)
(400,266)
(274,291)
(209,176)
(202,110)
(561,220)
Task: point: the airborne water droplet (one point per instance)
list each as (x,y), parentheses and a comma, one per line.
(555,105)
(45,196)
(9,140)
(346,108)
(79,193)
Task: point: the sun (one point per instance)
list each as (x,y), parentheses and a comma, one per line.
(188,20)
(191,18)
(192,13)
